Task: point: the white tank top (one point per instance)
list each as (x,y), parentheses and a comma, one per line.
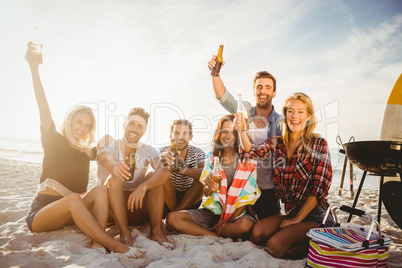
(265,178)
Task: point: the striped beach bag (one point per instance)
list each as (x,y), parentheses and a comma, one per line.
(349,245)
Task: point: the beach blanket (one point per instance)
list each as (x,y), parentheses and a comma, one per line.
(243,191)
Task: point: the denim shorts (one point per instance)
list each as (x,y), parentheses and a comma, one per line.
(316,215)
(207,219)
(40,201)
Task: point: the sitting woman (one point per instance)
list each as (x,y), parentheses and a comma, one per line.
(224,213)
(61,200)
(303,175)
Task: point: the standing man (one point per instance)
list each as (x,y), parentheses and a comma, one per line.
(264,123)
(137,201)
(183,190)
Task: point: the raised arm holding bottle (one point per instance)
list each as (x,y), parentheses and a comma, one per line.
(62,199)
(263,123)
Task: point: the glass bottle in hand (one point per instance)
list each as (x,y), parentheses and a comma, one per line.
(217,175)
(242,111)
(215,71)
(176,165)
(130,161)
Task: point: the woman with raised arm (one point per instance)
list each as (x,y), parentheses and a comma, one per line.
(303,175)
(61,199)
(224,213)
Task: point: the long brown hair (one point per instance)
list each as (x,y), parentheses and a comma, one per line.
(217,147)
(308,134)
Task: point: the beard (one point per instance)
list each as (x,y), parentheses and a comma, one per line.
(181,147)
(265,104)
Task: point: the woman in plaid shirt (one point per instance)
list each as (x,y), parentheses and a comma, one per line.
(303,175)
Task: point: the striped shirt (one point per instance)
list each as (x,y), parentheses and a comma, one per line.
(194,157)
(296,180)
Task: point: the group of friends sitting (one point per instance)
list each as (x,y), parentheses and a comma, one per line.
(275,158)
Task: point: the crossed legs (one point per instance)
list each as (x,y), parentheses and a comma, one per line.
(182,222)
(290,242)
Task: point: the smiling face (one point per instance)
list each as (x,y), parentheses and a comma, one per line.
(81,124)
(227,136)
(134,130)
(181,135)
(296,116)
(264,92)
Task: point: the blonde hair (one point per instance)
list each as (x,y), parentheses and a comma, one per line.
(308,134)
(85,144)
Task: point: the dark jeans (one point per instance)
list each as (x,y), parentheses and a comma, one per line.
(179,197)
(266,204)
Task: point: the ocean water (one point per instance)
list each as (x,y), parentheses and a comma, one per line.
(31,151)
(21,150)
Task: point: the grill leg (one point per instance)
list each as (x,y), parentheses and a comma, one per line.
(343,175)
(352,194)
(357,194)
(380,200)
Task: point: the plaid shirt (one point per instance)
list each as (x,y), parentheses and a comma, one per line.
(296,180)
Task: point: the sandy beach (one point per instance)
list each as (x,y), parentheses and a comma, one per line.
(69,247)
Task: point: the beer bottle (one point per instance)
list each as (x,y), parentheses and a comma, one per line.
(176,165)
(242,111)
(130,160)
(215,71)
(217,175)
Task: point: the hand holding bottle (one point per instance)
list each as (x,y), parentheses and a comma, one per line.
(212,62)
(242,112)
(131,161)
(168,158)
(104,142)
(216,176)
(210,184)
(238,122)
(34,54)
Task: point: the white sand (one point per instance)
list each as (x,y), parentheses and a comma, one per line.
(69,247)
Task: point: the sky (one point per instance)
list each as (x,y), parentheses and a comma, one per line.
(120,54)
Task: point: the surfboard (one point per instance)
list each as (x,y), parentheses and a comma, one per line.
(391,129)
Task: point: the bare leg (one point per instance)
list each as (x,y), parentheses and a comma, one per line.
(69,210)
(238,228)
(192,196)
(288,242)
(154,204)
(266,228)
(169,195)
(98,204)
(181,222)
(118,205)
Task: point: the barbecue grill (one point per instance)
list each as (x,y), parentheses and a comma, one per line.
(381,158)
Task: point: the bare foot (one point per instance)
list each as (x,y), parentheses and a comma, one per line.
(134,253)
(162,240)
(101,250)
(126,240)
(130,252)
(96,245)
(168,245)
